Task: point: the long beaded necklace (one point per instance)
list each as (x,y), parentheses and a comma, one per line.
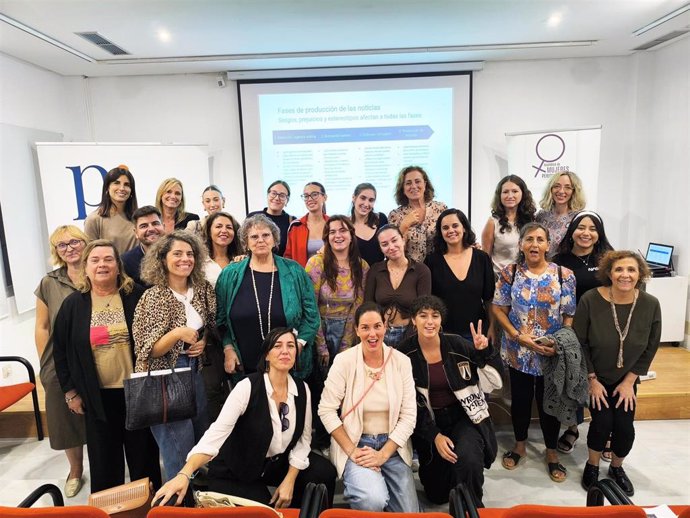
(270,302)
(624,334)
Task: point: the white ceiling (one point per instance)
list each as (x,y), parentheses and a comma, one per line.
(217,35)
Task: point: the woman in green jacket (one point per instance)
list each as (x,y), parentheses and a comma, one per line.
(262,292)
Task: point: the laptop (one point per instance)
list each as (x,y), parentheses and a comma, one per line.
(660,259)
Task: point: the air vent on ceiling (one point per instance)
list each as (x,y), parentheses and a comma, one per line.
(662,39)
(103,43)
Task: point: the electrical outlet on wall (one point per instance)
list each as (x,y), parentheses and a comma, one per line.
(6,371)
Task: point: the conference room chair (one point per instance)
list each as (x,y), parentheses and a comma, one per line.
(11,394)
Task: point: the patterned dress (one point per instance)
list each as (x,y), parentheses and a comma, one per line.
(418,240)
(557,225)
(537,306)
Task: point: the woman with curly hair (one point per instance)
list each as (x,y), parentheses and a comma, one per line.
(168,330)
(112,219)
(170,201)
(417,212)
(511,208)
(619,327)
(563,198)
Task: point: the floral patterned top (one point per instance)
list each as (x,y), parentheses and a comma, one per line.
(418,240)
(557,225)
(340,303)
(537,306)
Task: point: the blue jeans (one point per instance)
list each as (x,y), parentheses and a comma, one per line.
(333,330)
(176,439)
(394,335)
(391,489)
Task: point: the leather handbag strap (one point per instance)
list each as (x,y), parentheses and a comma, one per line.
(366,391)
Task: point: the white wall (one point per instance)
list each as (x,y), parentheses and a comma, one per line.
(641,101)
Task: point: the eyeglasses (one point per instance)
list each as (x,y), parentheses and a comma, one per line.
(566,188)
(74,243)
(283,410)
(341,231)
(255,237)
(280,195)
(311,195)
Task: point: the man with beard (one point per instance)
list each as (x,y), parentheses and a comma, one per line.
(148,228)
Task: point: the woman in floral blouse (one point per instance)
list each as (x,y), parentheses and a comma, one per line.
(533,298)
(417,214)
(338,275)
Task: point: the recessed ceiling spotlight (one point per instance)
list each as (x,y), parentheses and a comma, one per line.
(163,35)
(554,20)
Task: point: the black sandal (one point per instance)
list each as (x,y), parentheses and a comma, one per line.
(564,445)
(511,455)
(557,467)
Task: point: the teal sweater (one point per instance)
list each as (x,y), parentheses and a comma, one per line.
(299,303)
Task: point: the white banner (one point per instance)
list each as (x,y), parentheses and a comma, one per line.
(536,156)
(72,175)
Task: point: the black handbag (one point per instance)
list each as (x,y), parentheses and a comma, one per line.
(159,397)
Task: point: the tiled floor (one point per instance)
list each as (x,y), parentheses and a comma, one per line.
(659,466)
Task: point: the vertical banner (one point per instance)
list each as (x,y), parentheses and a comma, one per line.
(536,156)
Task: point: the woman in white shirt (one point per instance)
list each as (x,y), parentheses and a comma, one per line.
(262,436)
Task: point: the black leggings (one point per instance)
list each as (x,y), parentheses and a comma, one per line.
(438,476)
(524,388)
(614,422)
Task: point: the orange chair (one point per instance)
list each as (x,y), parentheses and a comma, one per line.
(11,394)
(542,511)
(229,512)
(351,513)
(77,511)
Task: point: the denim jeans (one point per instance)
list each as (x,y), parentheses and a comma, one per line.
(394,335)
(391,489)
(333,330)
(176,439)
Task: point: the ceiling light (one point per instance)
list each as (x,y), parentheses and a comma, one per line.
(164,35)
(554,20)
(661,20)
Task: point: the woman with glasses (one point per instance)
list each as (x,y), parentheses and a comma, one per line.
(305,236)
(261,437)
(563,198)
(261,292)
(278,197)
(112,219)
(66,428)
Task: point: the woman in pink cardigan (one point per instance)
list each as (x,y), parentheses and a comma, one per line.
(372,386)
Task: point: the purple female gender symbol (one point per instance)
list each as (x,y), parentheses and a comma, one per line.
(544,160)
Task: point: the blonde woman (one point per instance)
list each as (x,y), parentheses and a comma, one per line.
(66,428)
(170,201)
(563,198)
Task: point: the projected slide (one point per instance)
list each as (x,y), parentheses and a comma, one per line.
(342,139)
(347,131)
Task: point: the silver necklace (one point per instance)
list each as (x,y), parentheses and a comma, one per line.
(258,307)
(585,261)
(624,334)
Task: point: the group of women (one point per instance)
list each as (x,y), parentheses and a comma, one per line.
(336,322)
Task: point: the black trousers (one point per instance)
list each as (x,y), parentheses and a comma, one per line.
(438,476)
(524,388)
(216,381)
(614,422)
(320,471)
(105,441)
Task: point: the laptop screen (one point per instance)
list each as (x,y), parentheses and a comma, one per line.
(659,254)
